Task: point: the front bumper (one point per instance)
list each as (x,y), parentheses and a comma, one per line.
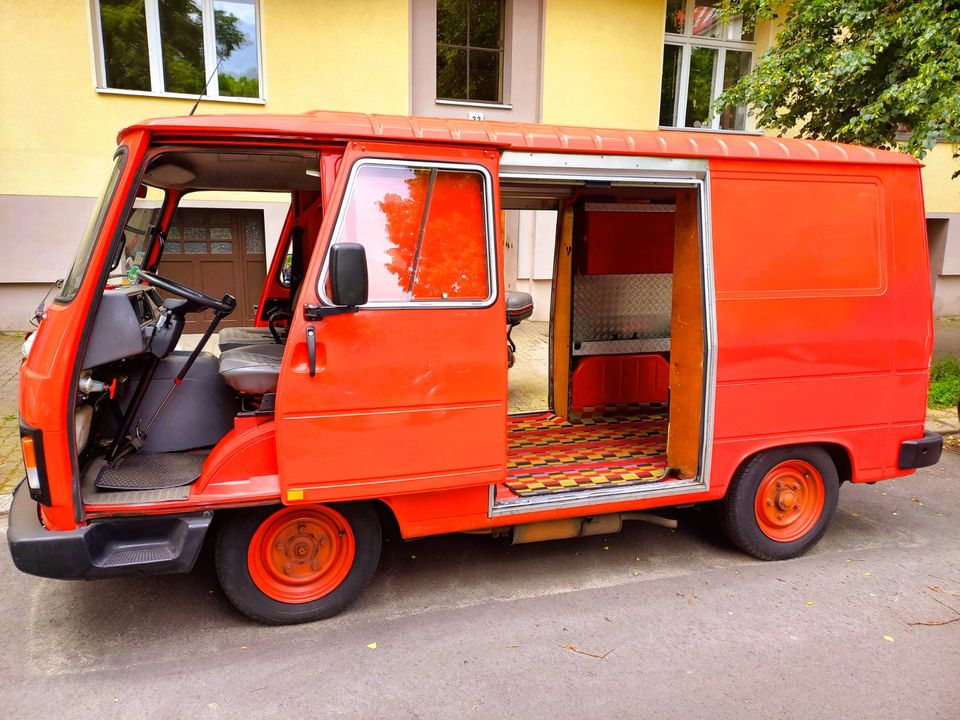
(115,547)
(921,453)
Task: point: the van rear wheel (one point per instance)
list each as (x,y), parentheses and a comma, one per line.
(780,501)
(281,565)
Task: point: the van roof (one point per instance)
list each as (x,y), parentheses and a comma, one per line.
(329,125)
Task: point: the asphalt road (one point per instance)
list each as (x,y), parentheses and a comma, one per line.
(469,627)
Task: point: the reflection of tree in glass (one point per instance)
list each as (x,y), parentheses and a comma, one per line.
(125,51)
(181,30)
(452,260)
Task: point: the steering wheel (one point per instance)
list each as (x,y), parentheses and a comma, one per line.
(224,306)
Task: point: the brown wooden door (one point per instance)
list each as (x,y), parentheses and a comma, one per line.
(217,251)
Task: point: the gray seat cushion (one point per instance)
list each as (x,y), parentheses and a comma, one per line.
(234,337)
(252,370)
(519,306)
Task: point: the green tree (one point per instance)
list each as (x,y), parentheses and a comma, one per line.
(884,73)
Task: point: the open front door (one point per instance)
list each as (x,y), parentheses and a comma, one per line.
(409,393)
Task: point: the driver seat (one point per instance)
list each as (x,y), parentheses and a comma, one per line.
(252,369)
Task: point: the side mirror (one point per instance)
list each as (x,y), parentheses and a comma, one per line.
(348,274)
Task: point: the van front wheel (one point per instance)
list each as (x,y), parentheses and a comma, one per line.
(298,563)
(780,501)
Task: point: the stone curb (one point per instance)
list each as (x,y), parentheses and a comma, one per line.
(5,501)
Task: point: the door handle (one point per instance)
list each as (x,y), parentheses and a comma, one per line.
(312,350)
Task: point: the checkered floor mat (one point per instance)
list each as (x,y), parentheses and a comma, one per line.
(620,445)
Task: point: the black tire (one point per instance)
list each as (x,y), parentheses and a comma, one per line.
(740,517)
(232,546)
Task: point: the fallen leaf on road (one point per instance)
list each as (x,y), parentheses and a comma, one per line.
(606,547)
(867,574)
(888,638)
(372,646)
(809,602)
(571,648)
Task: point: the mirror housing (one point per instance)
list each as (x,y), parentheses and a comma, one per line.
(348,275)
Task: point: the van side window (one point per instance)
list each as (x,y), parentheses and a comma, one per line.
(424,232)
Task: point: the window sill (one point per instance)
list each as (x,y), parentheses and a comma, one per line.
(181,96)
(476,104)
(756,133)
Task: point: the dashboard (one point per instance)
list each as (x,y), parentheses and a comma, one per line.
(125,323)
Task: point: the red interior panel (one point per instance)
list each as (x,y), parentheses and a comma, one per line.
(627,243)
(618,379)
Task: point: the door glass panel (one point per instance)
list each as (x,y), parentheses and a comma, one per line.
(253,233)
(195,248)
(416,253)
(452,264)
(221,248)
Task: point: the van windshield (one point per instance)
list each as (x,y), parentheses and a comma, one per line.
(82,259)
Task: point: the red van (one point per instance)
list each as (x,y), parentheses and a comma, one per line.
(732,318)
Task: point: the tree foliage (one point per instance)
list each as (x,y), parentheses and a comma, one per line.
(883,73)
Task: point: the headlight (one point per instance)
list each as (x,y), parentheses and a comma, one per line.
(27,344)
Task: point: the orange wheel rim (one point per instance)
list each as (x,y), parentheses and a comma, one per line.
(789,500)
(300,554)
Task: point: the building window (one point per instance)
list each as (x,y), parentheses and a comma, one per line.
(702,57)
(470,50)
(173,46)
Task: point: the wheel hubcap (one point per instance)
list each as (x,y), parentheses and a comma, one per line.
(790,500)
(300,554)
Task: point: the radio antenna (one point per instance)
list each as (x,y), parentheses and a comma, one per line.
(206,85)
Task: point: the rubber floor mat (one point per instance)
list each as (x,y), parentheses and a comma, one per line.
(596,447)
(151,471)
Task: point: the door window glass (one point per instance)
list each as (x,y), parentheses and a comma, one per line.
(423,230)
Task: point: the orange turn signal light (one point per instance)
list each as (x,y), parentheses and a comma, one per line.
(29,452)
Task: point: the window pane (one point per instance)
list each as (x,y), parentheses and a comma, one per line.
(254,235)
(126,58)
(235,26)
(221,248)
(700,90)
(409,256)
(384,214)
(171,248)
(451,73)
(195,248)
(675,16)
(452,22)
(669,85)
(735,66)
(485,75)
(706,21)
(181,39)
(80,261)
(452,264)
(485,23)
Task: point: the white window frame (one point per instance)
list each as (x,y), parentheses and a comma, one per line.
(687,41)
(158,89)
(490,238)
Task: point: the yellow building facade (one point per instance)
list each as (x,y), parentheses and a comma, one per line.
(600,63)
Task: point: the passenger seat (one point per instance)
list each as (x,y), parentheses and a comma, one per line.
(252,370)
(232,338)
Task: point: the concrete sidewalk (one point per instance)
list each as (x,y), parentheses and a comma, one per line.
(11,466)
